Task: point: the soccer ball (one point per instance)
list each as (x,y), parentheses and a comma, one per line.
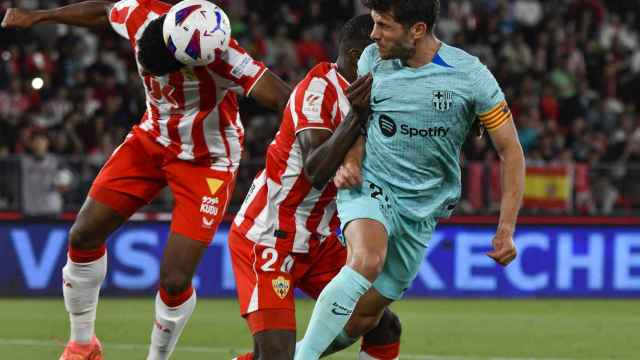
(194,30)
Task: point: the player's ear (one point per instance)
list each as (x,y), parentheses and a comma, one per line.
(419,30)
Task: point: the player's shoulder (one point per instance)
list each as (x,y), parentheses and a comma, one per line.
(321,69)
(318,78)
(120,14)
(459,59)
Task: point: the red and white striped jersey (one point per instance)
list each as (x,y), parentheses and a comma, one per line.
(191,112)
(282,209)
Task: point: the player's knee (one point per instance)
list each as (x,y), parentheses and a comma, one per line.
(174,283)
(369,264)
(83,237)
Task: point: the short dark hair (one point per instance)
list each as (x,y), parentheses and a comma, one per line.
(356,33)
(153,54)
(408,12)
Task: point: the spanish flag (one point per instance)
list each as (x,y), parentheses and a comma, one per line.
(548,187)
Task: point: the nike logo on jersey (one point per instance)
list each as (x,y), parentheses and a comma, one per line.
(378,101)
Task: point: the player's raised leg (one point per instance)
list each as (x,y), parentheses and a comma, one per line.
(367,247)
(382,326)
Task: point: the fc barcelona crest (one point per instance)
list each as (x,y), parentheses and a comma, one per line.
(442,100)
(280,286)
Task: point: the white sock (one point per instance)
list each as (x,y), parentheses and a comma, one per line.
(81,288)
(168,326)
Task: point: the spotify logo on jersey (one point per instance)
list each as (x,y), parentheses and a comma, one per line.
(387,126)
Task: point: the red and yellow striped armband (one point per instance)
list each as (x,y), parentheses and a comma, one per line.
(496,117)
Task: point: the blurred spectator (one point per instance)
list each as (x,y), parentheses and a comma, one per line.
(310,50)
(517,53)
(528,12)
(529,130)
(43,179)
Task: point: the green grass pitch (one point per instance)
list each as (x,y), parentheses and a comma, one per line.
(432,329)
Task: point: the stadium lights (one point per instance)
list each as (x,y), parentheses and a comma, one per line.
(37,83)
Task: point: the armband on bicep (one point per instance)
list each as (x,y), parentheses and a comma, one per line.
(496,117)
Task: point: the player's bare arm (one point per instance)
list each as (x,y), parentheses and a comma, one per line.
(349,174)
(505,140)
(271,91)
(322,152)
(85,14)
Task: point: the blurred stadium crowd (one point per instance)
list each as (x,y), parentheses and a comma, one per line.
(570,70)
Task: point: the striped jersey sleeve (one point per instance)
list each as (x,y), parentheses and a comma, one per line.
(129,18)
(239,67)
(490,104)
(314,105)
(119,14)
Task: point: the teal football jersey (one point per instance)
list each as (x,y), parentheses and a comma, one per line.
(420,120)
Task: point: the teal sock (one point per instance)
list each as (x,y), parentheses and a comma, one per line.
(331,313)
(342,341)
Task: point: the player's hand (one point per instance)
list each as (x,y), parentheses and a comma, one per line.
(504,249)
(348,176)
(18,18)
(359,93)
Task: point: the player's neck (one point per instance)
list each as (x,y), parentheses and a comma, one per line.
(343,69)
(426,50)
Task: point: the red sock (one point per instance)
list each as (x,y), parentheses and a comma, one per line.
(86,256)
(248,356)
(175,300)
(382,352)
